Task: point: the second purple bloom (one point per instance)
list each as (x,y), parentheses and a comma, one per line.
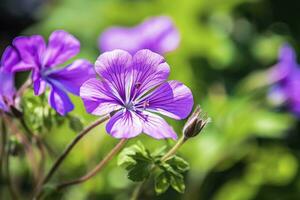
(44,60)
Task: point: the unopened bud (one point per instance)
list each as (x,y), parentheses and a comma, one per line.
(195,123)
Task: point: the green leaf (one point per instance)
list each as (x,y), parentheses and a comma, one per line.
(162,183)
(139,171)
(177,183)
(137,161)
(75,123)
(174,170)
(132,153)
(179,163)
(124,159)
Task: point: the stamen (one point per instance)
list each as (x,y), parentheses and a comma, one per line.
(138,85)
(146,104)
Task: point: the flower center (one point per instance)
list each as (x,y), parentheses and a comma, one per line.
(129,106)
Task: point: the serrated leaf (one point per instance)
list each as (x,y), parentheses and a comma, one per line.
(179,163)
(139,171)
(130,154)
(177,183)
(162,183)
(137,161)
(169,169)
(124,159)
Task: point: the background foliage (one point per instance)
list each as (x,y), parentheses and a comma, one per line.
(250,150)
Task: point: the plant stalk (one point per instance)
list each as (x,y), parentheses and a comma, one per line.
(97,169)
(66,152)
(174,149)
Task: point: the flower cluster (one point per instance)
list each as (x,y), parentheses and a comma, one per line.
(286,75)
(132,84)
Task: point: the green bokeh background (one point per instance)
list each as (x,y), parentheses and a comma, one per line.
(249,151)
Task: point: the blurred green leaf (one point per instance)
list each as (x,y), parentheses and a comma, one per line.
(75,123)
(177,182)
(179,163)
(162,183)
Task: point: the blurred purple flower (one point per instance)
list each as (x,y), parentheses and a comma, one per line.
(43,60)
(157,34)
(8,96)
(136,87)
(286,75)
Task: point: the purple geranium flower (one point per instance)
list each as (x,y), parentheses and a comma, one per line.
(286,75)
(9,60)
(44,60)
(157,34)
(136,87)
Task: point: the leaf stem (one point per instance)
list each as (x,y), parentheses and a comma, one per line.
(40,145)
(3,143)
(98,168)
(11,187)
(174,149)
(137,190)
(65,153)
(24,140)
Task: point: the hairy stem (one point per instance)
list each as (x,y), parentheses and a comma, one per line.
(24,140)
(3,143)
(11,187)
(65,153)
(24,87)
(173,151)
(97,169)
(137,190)
(40,145)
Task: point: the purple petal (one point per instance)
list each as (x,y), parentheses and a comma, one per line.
(160,35)
(124,124)
(39,86)
(292,87)
(157,34)
(2,104)
(7,89)
(157,127)
(73,76)
(97,97)
(120,38)
(9,59)
(31,49)
(296,109)
(61,47)
(149,70)
(60,101)
(172,99)
(286,65)
(114,67)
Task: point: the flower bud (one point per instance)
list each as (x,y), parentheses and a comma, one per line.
(195,123)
